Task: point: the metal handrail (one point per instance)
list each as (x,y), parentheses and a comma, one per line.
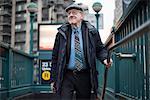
(132,34)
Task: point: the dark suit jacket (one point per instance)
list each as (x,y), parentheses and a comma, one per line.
(93,48)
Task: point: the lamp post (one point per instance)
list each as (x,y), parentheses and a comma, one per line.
(51,4)
(32,8)
(97,7)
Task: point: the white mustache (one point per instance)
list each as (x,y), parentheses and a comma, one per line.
(72,17)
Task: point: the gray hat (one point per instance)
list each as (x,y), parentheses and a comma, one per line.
(74,6)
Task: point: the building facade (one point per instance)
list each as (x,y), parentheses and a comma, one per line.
(118,10)
(121,7)
(5,21)
(49,11)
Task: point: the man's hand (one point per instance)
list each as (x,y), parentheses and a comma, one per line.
(108,64)
(53,87)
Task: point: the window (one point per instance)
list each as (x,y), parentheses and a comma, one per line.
(1,28)
(18,15)
(24,15)
(1,18)
(6,39)
(19,8)
(21,16)
(18,27)
(0,9)
(17,47)
(21,27)
(20,46)
(45,15)
(20,37)
(44,2)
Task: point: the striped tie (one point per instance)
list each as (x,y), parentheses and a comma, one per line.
(78,53)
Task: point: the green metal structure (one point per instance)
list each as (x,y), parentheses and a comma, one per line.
(16,71)
(129,77)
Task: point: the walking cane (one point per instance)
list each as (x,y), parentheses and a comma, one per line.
(105,79)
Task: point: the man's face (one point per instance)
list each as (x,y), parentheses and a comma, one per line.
(75,16)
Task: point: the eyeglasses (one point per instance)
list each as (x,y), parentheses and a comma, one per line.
(74,12)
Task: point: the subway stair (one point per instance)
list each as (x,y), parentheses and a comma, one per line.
(50,96)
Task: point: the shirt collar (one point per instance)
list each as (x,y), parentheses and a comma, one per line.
(76,28)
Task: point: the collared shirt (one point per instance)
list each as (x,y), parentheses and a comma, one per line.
(71,64)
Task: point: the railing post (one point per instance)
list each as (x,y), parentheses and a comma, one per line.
(10,65)
(147,43)
(116,74)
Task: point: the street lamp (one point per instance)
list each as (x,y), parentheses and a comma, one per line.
(97,7)
(32,8)
(51,5)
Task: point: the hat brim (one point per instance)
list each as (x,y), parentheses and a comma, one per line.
(74,8)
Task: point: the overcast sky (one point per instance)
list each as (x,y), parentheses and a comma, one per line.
(108,14)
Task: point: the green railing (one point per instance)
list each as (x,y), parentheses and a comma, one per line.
(131,59)
(16,71)
(3,67)
(129,77)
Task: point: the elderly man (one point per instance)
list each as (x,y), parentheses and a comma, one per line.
(77,45)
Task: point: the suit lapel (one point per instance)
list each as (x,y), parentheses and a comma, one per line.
(68,47)
(84,33)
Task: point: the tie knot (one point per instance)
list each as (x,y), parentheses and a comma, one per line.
(76,31)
